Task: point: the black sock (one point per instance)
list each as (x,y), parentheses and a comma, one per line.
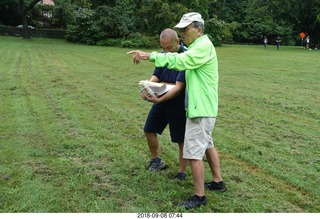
(157,159)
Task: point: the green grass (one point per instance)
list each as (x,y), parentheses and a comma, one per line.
(71,137)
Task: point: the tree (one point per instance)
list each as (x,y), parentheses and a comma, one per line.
(302,15)
(24,8)
(115,21)
(93,25)
(62,14)
(151,23)
(8,12)
(259,17)
(219,30)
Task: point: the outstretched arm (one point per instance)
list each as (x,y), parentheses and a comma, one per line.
(139,55)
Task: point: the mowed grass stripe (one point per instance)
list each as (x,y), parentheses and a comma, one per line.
(264,185)
(274,142)
(29,104)
(48,100)
(22,136)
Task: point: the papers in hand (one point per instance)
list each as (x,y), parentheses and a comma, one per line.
(154,88)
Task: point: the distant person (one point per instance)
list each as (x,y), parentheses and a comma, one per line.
(278,42)
(307,42)
(265,42)
(167,109)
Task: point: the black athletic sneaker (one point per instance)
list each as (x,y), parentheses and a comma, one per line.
(156,165)
(215,186)
(180,176)
(193,202)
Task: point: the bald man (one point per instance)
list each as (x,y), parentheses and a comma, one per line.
(168,108)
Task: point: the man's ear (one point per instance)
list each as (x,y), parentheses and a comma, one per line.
(178,42)
(199,29)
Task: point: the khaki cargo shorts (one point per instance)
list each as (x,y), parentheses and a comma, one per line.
(198,137)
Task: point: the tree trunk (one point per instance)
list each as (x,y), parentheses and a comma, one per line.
(23,9)
(23,14)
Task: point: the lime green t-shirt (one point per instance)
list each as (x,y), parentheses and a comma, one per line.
(201,65)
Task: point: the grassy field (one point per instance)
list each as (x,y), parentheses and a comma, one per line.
(71,137)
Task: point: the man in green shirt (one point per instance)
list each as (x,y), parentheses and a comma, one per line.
(201,65)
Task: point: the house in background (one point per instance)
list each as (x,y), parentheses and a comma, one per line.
(47,2)
(46,11)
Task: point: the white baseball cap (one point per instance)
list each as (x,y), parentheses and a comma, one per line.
(188,19)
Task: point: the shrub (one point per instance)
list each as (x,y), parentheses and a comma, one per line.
(128,44)
(141,41)
(110,42)
(219,31)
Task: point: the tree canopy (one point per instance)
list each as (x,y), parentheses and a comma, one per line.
(90,21)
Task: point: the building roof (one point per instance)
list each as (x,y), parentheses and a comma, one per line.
(48,2)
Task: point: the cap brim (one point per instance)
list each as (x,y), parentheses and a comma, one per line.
(183,24)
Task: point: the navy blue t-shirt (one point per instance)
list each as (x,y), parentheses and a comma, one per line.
(175,105)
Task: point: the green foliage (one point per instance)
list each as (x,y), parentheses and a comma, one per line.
(135,40)
(259,17)
(110,42)
(120,18)
(200,6)
(151,23)
(8,13)
(81,28)
(62,15)
(90,26)
(113,22)
(219,31)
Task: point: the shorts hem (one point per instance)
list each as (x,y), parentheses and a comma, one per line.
(192,158)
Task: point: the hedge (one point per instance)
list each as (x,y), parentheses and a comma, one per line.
(45,33)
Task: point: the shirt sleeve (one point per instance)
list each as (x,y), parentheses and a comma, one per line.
(181,77)
(194,58)
(157,72)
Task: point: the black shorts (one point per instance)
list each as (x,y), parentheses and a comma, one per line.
(158,118)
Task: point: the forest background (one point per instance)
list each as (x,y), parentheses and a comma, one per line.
(137,23)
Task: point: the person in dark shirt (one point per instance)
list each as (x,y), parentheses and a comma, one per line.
(168,108)
(278,42)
